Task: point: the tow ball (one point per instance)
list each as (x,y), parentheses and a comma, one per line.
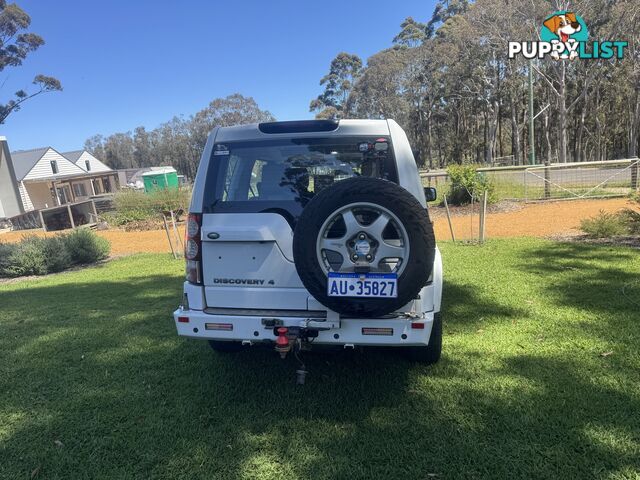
(282,343)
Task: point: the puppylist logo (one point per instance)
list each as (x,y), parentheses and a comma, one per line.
(564,35)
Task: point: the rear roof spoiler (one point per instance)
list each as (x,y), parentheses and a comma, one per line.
(299,126)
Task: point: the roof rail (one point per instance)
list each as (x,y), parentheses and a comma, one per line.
(298,126)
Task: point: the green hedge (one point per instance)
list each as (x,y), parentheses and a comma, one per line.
(39,256)
(135,206)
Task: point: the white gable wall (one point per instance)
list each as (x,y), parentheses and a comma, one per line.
(24,196)
(42,169)
(95,164)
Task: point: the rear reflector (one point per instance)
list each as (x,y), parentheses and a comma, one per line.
(377,331)
(183,319)
(417,326)
(219,326)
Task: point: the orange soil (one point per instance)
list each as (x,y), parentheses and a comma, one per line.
(535,220)
(122,243)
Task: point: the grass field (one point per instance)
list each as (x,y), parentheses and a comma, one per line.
(540,378)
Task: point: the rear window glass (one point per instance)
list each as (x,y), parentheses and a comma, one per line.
(283,175)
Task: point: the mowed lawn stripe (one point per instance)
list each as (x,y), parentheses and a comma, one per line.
(540,378)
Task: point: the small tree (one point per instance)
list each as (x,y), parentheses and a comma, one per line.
(15,45)
(338,83)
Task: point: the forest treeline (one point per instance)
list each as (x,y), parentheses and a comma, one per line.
(448,81)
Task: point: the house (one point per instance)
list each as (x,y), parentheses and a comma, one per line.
(45,178)
(10,204)
(86,161)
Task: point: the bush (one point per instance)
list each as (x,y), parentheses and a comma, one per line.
(604,225)
(135,206)
(85,246)
(57,255)
(6,250)
(26,258)
(466,181)
(631,220)
(174,199)
(39,256)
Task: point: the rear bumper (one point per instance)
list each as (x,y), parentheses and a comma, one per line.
(250,329)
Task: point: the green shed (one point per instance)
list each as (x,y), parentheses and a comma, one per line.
(160,178)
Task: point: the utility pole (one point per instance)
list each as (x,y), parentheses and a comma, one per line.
(532,148)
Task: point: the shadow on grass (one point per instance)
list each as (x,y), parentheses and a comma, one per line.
(104,373)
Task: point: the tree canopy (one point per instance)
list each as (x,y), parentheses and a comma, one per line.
(449,82)
(15,45)
(178,142)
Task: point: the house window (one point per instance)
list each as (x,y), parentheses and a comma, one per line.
(54,166)
(79,190)
(106,185)
(87,165)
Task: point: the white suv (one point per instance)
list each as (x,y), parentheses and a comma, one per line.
(311,232)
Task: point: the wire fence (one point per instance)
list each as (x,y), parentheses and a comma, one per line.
(613,178)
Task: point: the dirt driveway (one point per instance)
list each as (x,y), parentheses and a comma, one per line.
(527,220)
(535,220)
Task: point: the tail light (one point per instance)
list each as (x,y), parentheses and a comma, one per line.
(193,248)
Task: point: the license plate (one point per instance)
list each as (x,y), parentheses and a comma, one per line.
(376,285)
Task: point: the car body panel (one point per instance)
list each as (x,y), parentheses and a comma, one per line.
(248,259)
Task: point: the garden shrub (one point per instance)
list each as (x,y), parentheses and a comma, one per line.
(466,181)
(26,258)
(604,225)
(6,251)
(38,256)
(136,206)
(56,253)
(631,220)
(85,246)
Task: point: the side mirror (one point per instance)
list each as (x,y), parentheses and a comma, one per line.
(430,194)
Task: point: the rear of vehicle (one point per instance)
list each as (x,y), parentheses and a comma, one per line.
(297,230)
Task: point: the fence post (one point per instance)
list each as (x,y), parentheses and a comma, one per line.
(635,173)
(483,216)
(73,224)
(166,229)
(446,206)
(44,227)
(547,180)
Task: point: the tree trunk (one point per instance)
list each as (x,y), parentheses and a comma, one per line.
(547,137)
(562,116)
(429,139)
(490,131)
(579,149)
(515,134)
(633,129)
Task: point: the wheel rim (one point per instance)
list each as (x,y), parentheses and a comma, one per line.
(360,236)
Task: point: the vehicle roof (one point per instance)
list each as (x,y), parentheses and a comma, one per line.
(345,127)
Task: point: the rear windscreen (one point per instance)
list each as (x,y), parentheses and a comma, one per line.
(283,175)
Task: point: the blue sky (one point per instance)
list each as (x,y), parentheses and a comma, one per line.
(129,63)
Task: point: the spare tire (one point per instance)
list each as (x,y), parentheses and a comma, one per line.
(361,225)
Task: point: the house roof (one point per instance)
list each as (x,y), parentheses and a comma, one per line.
(73,156)
(25,160)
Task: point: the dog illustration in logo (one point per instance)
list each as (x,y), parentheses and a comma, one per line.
(564,26)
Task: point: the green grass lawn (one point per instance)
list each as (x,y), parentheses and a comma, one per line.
(94,382)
